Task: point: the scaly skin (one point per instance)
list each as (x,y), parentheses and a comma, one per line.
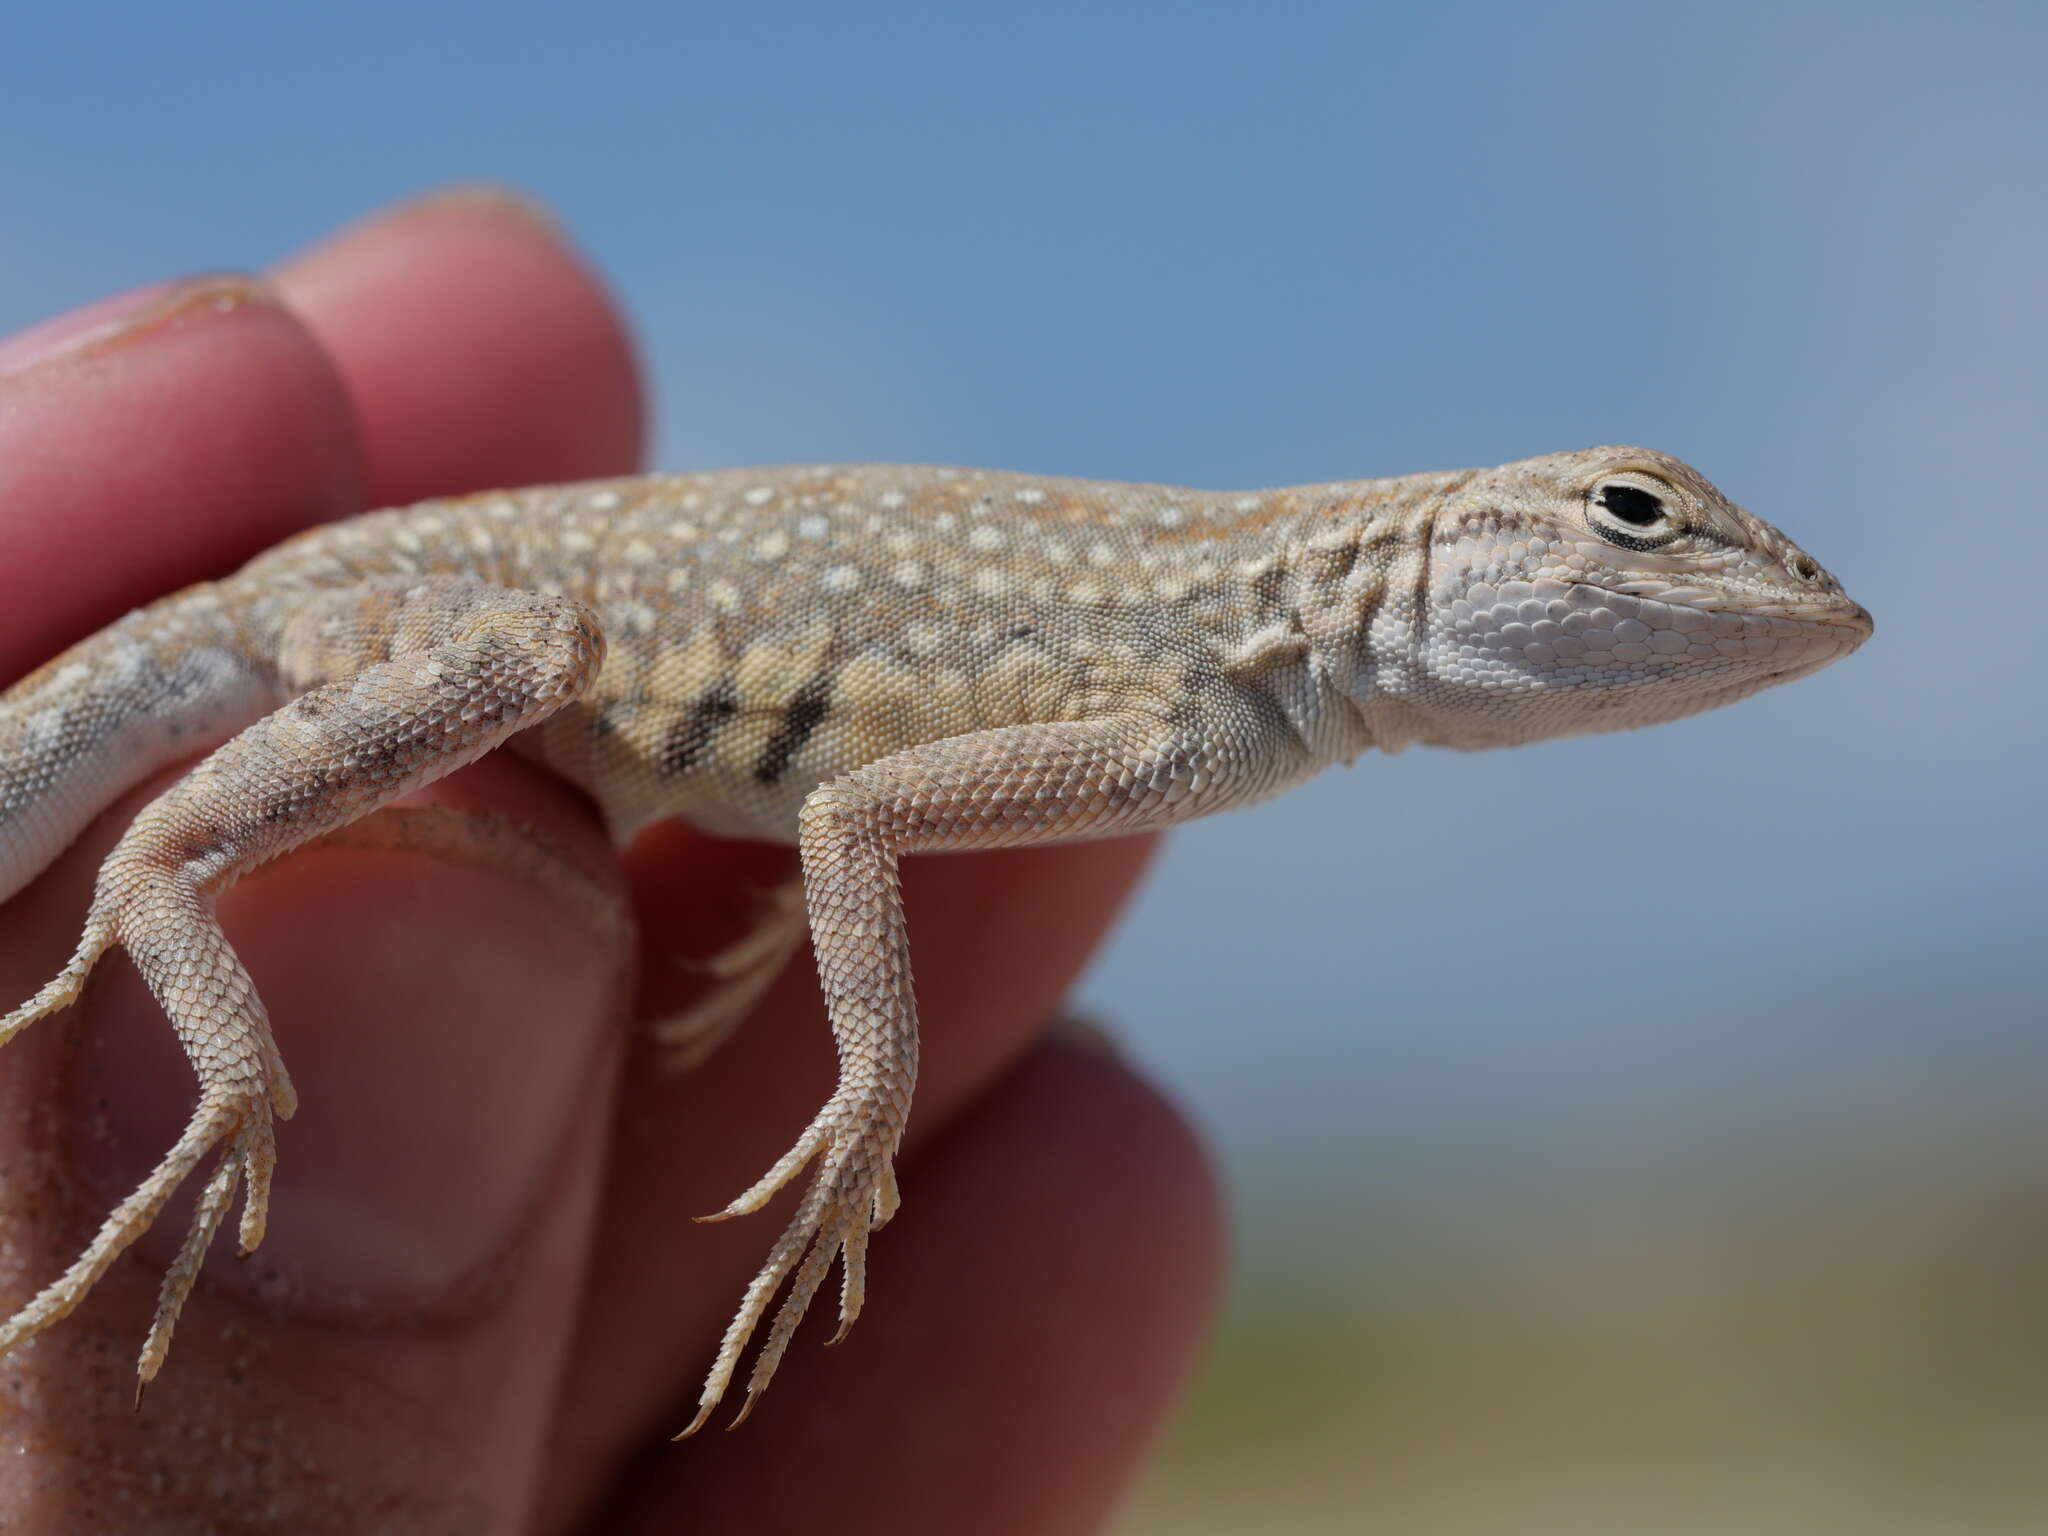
(867,662)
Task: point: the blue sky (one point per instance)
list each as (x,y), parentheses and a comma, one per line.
(1798,244)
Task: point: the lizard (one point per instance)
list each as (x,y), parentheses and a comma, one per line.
(866,661)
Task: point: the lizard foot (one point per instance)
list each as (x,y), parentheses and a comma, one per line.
(244,1089)
(242,1125)
(853,1194)
(62,990)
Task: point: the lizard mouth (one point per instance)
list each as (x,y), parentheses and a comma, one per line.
(1831,631)
(1828,625)
(1824,610)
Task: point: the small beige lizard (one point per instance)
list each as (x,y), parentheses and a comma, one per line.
(867,662)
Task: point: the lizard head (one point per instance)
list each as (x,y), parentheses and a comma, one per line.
(1605,589)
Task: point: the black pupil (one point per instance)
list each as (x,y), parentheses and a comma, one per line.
(1635,507)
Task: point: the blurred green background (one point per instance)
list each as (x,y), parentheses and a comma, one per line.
(1637,1134)
(1799,1337)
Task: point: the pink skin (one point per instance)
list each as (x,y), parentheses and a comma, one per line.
(496,1301)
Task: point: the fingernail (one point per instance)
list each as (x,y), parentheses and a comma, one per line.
(109,322)
(444,1027)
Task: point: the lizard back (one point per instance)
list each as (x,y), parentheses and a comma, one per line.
(771,629)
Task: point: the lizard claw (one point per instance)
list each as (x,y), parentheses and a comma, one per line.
(853,1192)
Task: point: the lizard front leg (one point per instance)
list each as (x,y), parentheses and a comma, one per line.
(1008,787)
(741,973)
(407,680)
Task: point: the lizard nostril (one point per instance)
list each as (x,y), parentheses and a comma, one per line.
(1804,568)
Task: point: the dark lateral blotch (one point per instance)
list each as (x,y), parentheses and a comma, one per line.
(813,702)
(690,737)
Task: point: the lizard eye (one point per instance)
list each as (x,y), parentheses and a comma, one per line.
(1633,511)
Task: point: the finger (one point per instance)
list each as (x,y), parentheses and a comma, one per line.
(438,1059)
(154,445)
(1048,1283)
(997,939)
(479,349)
(452,1027)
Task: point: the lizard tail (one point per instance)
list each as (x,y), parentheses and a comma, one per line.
(165,683)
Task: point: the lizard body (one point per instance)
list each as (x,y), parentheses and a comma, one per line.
(865,661)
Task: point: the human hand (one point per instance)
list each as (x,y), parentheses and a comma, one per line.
(482,1305)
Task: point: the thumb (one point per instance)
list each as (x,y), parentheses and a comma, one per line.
(445,992)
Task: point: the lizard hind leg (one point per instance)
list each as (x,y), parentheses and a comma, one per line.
(403,680)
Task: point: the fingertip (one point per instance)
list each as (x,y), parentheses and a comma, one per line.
(479,346)
(485,199)
(155,442)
